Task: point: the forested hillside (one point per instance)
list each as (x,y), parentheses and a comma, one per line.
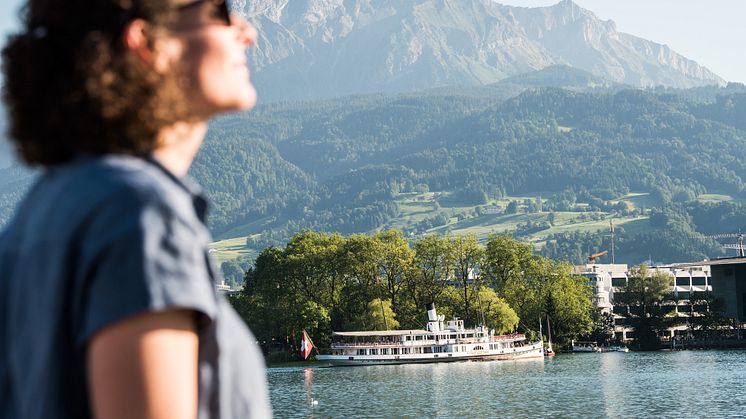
(551,166)
(356,165)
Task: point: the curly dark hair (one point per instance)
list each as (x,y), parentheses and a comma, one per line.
(72,87)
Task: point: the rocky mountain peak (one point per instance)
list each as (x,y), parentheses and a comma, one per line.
(322,48)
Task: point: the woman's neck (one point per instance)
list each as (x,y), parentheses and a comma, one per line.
(178,144)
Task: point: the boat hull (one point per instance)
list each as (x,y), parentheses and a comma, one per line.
(529,352)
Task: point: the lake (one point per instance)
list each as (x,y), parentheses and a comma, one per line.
(659,384)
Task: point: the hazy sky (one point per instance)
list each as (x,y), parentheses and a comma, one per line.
(711,32)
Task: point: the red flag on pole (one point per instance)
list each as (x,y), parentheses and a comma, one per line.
(306,345)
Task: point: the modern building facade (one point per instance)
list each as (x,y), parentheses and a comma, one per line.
(728,284)
(689,283)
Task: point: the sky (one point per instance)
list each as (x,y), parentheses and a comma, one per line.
(711,32)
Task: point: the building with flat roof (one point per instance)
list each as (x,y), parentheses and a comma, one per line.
(728,284)
(687,281)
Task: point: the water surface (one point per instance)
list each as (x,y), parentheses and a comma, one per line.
(662,384)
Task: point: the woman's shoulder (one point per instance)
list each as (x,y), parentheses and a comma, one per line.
(126,182)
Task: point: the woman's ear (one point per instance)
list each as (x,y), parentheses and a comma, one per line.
(136,40)
(160,54)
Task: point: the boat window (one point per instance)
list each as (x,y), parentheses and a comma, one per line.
(384,351)
(361,351)
(409,337)
(418,337)
(478,348)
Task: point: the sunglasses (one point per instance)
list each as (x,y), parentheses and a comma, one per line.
(221,11)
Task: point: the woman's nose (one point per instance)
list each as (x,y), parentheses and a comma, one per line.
(247,32)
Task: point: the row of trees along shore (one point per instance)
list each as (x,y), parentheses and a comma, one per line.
(323,282)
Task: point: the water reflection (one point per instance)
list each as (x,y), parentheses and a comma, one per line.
(308,384)
(612,388)
(673,384)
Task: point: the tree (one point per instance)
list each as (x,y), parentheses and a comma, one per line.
(503,260)
(467,258)
(519,275)
(432,268)
(360,261)
(498,315)
(568,303)
(644,295)
(233,273)
(381,316)
(512,207)
(313,265)
(395,263)
(710,317)
(603,326)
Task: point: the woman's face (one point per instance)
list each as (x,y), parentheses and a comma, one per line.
(213,58)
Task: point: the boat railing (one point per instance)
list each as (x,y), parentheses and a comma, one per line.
(423,342)
(376,344)
(512,336)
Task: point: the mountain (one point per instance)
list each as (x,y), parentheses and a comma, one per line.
(661,164)
(310,49)
(666,165)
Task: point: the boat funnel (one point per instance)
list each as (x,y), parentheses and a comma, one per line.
(433,323)
(432,315)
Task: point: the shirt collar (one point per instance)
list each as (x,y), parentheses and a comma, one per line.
(188,184)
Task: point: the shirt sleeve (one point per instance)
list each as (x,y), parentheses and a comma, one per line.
(141,254)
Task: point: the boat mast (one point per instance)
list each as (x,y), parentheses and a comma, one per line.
(541,332)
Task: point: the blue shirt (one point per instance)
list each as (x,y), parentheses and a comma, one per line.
(95,242)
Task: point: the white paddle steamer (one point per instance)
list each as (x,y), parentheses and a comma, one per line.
(438,343)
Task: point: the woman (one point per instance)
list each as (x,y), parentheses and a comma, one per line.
(107,305)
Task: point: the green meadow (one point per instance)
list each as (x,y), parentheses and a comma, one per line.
(480,220)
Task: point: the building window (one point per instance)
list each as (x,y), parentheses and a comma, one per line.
(698,280)
(682,281)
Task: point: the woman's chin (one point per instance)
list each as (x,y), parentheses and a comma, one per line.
(244,101)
